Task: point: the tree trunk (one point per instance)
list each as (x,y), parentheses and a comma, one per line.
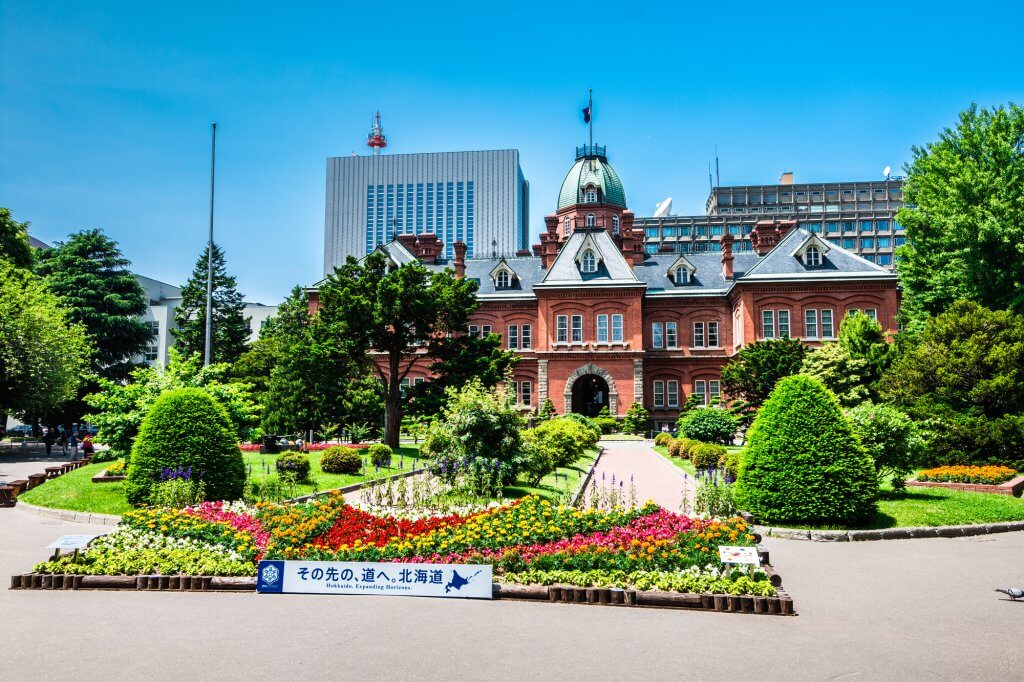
(393,403)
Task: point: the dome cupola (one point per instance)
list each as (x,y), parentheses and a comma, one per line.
(591,180)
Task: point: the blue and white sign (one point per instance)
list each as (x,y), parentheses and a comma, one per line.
(466,581)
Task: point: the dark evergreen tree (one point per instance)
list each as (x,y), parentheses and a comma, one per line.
(14,245)
(456,360)
(230,326)
(91,276)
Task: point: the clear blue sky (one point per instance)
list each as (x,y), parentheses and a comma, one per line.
(105,107)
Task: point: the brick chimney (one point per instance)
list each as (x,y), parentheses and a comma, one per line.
(549,242)
(460,259)
(727,258)
(428,248)
(408,241)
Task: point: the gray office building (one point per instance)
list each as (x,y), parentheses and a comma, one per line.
(858,216)
(480,198)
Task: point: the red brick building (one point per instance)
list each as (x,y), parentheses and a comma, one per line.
(598,323)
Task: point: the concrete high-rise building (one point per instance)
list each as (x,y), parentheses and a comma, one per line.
(480,198)
(858,216)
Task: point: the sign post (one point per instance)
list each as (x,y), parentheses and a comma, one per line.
(465,581)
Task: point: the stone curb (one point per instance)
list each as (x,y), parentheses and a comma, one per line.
(73,516)
(582,490)
(907,533)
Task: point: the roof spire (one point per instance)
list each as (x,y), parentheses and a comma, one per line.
(376,139)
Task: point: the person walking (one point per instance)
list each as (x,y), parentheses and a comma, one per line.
(73,445)
(62,443)
(87,446)
(48,441)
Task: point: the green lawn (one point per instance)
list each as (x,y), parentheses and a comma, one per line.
(76,492)
(940,507)
(260,467)
(684,464)
(552,485)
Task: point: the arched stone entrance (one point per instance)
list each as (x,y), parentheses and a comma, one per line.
(590,388)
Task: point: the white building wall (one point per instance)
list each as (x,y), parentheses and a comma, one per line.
(500,213)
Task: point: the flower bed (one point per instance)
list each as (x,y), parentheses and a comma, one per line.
(986,475)
(529,541)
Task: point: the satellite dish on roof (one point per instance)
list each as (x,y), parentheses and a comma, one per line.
(887,172)
(662,208)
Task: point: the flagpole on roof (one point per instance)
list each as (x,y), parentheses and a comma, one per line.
(590,106)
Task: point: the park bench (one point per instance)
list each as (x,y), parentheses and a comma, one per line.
(20,486)
(54,472)
(36,480)
(7,498)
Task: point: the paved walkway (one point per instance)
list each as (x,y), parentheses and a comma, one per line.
(17,461)
(654,478)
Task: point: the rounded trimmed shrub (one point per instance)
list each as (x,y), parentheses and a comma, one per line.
(341,460)
(673,447)
(687,446)
(380,455)
(584,420)
(293,465)
(708,424)
(707,455)
(567,439)
(803,462)
(731,462)
(663,438)
(186,427)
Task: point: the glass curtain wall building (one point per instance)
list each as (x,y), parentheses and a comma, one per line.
(480,198)
(858,216)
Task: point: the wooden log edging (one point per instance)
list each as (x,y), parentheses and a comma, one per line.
(781,604)
(910,532)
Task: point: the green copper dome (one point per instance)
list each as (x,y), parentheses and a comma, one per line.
(591,169)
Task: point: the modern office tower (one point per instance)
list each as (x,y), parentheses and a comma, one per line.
(480,198)
(858,216)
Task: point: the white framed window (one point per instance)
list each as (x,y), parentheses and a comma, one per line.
(658,334)
(712,335)
(591,196)
(504,281)
(812,256)
(577,329)
(526,340)
(513,336)
(872,313)
(768,324)
(485,330)
(526,392)
(615,224)
(698,335)
(672,393)
(589,262)
(565,224)
(715,390)
(701,388)
(474,330)
(671,335)
(617,328)
(417,381)
(827,327)
(811,324)
(602,328)
(659,394)
(591,220)
(783,324)
(406,385)
(682,276)
(562,329)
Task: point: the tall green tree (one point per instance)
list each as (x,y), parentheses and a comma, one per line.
(456,361)
(395,313)
(91,276)
(759,365)
(230,326)
(964,215)
(14,244)
(44,355)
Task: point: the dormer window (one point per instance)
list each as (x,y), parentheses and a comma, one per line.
(589,262)
(812,256)
(681,272)
(591,220)
(504,280)
(590,196)
(615,224)
(503,276)
(682,276)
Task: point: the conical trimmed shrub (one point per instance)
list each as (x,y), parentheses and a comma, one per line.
(803,462)
(185,428)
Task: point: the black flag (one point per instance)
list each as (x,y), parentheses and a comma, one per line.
(586,114)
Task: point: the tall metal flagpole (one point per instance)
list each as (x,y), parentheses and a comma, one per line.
(591,107)
(208,354)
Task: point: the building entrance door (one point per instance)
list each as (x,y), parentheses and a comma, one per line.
(589,395)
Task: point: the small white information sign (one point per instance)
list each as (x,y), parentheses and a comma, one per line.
(738,555)
(70,542)
(472,581)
